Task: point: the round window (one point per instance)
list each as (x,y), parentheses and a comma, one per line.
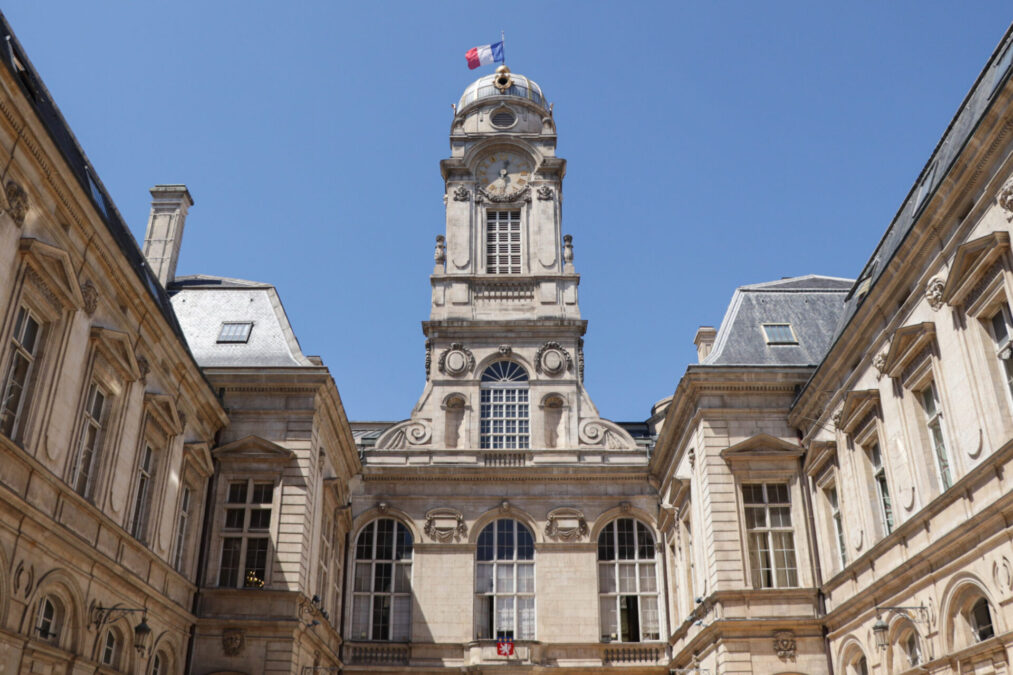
(503,118)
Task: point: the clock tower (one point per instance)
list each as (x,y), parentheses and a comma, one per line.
(504,339)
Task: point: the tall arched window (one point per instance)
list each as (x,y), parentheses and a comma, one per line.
(504,406)
(381,600)
(628,582)
(505,582)
(49,619)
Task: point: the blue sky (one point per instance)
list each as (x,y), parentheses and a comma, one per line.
(709,145)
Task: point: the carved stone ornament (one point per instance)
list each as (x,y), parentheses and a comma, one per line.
(784,645)
(568,248)
(143,367)
(545,193)
(506,350)
(17,202)
(836,417)
(519,196)
(1005,198)
(404,434)
(462,194)
(553,359)
(602,433)
(457,360)
(445,524)
(934,293)
(440,254)
(566,524)
(692,458)
(429,356)
(233,641)
(580,359)
(879,362)
(90,296)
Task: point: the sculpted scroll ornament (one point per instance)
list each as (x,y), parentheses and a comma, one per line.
(409,432)
(445,524)
(566,524)
(17,202)
(456,360)
(1005,198)
(784,645)
(602,433)
(934,293)
(553,359)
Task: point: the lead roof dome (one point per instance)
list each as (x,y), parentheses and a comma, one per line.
(520,87)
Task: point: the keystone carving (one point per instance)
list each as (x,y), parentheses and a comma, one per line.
(934,293)
(445,524)
(545,193)
(233,641)
(553,359)
(1005,198)
(17,202)
(90,296)
(457,360)
(506,350)
(462,194)
(784,645)
(566,524)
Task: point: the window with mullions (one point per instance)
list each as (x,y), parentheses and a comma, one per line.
(246,534)
(628,582)
(505,582)
(182,529)
(504,406)
(882,487)
(91,436)
(503,242)
(1001,324)
(779,334)
(771,537)
(143,494)
(235,331)
(381,591)
(25,343)
(929,399)
(838,523)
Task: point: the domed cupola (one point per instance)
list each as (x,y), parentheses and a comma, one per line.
(504,85)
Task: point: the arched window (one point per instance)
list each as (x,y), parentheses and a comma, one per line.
(505,582)
(628,582)
(980,618)
(160,663)
(381,600)
(855,662)
(504,406)
(110,648)
(49,619)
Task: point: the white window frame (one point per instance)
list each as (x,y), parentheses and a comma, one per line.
(503,247)
(89,450)
(367,598)
(250,504)
(111,650)
(837,523)
(184,513)
(504,407)
(501,589)
(144,487)
(614,569)
(774,340)
(12,418)
(884,502)
(1003,317)
(49,618)
(786,576)
(935,430)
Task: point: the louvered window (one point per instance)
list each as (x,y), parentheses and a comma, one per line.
(503,118)
(503,242)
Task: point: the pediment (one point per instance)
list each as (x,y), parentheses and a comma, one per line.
(908,342)
(55,270)
(819,455)
(857,404)
(761,447)
(163,410)
(971,261)
(115,347)
(253,449)
(198,454)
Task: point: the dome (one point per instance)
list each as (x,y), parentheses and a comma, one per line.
(519,87)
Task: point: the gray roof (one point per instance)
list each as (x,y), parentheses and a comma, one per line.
(204,303)
(812,305)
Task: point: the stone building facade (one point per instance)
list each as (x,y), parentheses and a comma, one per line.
(825,491)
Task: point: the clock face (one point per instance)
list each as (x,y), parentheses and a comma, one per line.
(504,172)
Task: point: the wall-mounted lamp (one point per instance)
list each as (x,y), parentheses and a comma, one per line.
(881,629)
(142,631)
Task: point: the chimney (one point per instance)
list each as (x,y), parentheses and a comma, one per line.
(704,342)
(164,235)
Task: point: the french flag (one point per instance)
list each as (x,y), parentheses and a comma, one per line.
(483,55)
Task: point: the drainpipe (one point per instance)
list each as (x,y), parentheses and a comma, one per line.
(821,601)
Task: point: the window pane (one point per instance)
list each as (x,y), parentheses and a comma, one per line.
(237,493)
(607,578)
(525,578)
(402,619)
(505,617)
(504,540)
(364,547)
(363,572)
(235,519)
(645,542)
(382,577)
(263,493)
(648,578)
(256,558)
(402,578)
(229,574)
(606,545)
(525,544)
(609,618)
(526,618)
(483,579)
(485,543)
(385,540)
(628,578)
(504,578)
(624,536)
(649,625)
(381,617)
(260,519)
(360,617)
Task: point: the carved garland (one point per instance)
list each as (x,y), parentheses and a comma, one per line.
(445,524)
(566,524)
(461,194)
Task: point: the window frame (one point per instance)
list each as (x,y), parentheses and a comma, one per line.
(489,438)
(240,338)
(371,595)
(514,229)
(768,533)
(13,349)
(615,564)
(246,532)
(100,425)
(487,602)
(934,433)
(771,340)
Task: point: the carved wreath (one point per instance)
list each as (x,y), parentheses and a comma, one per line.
(445,525)
(552,358)
(522,196)
(456,360)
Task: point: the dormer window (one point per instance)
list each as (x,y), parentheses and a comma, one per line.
(235,332)
(779,334)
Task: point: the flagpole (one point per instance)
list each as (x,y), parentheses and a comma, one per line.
(502,39)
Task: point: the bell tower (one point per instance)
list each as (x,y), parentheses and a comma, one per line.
(504,339)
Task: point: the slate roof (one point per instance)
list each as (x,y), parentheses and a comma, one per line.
(203,303)
(812,304)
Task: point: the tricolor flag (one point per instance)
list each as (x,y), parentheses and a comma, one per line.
(484,55)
